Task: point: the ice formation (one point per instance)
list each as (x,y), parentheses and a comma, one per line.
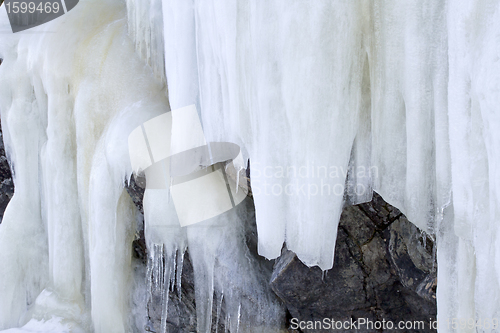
(328,99)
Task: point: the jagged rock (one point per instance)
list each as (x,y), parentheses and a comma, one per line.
(135,188)
(384,269)
(6,182)
(412,255)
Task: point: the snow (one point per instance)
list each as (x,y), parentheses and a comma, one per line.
(53,325)
(70,225)
(328,99)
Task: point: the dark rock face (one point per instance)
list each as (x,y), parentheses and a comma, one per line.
(384,270)
(181,315)
(6,182)
(135,188)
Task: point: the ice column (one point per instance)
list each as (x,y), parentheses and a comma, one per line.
(72,91)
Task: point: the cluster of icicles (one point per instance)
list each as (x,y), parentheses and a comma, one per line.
(406,89)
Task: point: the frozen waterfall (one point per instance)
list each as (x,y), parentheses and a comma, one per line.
(328,99)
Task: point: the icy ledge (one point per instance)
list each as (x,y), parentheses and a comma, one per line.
(407,92)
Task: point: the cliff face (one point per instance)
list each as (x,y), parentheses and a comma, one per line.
(408,89)
(385,269)
(6,181)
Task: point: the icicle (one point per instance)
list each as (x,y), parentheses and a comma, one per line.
(173,271)
(145,25)
(180,264)
(168,274)
(238,319)
(412,92)
(219,308)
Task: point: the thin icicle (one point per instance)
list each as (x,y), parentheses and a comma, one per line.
(180,265)
(219,308)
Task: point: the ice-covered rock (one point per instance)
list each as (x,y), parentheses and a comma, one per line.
(328,99)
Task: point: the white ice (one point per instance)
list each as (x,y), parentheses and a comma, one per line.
(53,325)
(404,94)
